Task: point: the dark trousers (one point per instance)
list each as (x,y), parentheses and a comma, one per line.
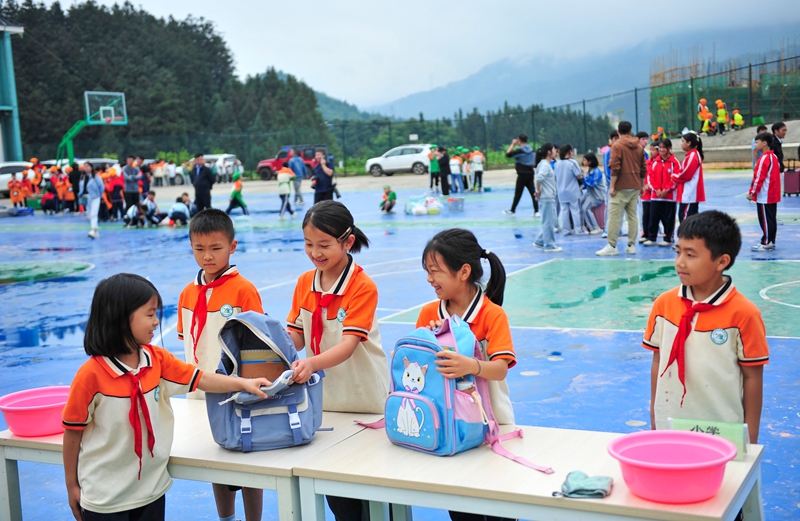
(202,200)
(131,199)
(445,183)
(645,218)
(463,516)
(768,220)
(236,204)
(151,512)
(434,179)
(661,212)
(323,196)
(286,206)
(117,210)
(180,218)
(478,184)
(155,218)
(348,509)
(524,181)
(686,210)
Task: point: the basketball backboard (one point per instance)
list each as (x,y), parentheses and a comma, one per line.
(105,108)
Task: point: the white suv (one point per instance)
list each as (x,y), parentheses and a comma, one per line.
(407,158)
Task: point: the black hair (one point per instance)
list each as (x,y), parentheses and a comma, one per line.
(625,127)
(151,192)
(718,230)
(523,138)
(108,330)
(296,152)
(333,218)
(777,126)
(457,247)
(666,142)
(442,148)
(209,221)
(592,159)
(761,128)
(613,134)
(199,154)
(542,151)
(91,167)
(131,157)
(564,150)
(179,199)
(655,143)
(766,137)
(640,135)
(695,142)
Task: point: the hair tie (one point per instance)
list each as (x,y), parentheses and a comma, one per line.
(345,235)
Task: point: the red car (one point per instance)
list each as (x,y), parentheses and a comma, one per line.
(268,168)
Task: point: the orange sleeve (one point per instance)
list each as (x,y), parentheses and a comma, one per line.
(499,344)
(294,322)
(79,409)
(179,376)
(429,311)
(652,333)
(752,345)
(251,299)
(360,309)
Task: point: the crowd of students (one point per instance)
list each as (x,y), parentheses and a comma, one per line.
(635,170)
(457,172)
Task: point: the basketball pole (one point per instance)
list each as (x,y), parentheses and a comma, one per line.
(65,148)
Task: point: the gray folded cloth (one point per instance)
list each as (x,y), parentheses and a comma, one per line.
(580,486)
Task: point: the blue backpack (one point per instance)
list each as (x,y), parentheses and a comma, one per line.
(430,413)
(289,416)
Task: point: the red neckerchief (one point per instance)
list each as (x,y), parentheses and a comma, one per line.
(323,301)
(679,345)
(200,313)
(138,400)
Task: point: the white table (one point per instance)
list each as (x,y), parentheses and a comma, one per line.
(194,456)
(367,466)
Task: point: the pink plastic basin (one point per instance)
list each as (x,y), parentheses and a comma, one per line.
(672,466)
(35,412)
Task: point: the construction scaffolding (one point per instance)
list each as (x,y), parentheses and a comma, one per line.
(765,87)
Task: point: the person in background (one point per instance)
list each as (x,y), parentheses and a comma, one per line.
(15,191)
(738,120)
(689,181)
(702,111)
(524,163)
(456,180)
(131,175)
(546,194)
(151,213)
(203,182)
(93,187)
(389,199)
(285,177)
(568,177)
(236,200)
(26,187)
(323,175)
(594,192)
(662,200)
(722,116)
(172,171)
(765,190)
(188,202)
(477,161)
(178,213)
(134,216)
(756,153)
(298,166)
(147,177)
(444,169)
(648,192)
(613,137)
(779,130)
(433,170)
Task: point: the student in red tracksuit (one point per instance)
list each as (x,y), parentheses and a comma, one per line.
(691,190)
(647,194)
(662,201)
(765,190)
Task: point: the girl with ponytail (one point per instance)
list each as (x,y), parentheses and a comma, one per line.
(452,260)
(691,189)
(333,315)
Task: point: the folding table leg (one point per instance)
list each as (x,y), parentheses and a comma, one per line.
(10,502)
(753,508)
(288,499)
(312,505)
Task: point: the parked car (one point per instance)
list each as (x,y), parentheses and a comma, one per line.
(96,162)
(406,158)
(8,168)
(221,162)
(268,168)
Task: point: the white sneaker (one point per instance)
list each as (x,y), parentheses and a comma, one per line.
(508,212)
(595,231)
(537,214)
(607,251)
(763,247)
(281,217)
(581,232)
(293,214)
(631,250)
(664,244)
(605,235)
(556,229)
(642,239)
(568,232)
(648,243)
(554,249)
(537,245)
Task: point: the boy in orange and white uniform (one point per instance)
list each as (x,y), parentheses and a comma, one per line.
(15,191)
(205,304)
(477,160)
(27,187)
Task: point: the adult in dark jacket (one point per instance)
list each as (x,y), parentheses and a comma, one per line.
(524,163)
(444,169)
(203,181)
(779,130)
(131,175)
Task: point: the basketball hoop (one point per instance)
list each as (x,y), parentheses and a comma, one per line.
(109,120)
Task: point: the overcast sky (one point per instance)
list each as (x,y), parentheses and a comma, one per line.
(372,52)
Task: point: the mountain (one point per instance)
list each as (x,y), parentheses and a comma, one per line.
(334,109)
(549,81)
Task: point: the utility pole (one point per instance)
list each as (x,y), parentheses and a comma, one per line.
(585,134)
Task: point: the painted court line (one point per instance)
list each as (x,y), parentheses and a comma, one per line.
(763,293)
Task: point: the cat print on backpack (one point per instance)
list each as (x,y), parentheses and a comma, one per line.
(408,423)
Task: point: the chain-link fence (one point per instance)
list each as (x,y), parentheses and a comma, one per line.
(768,90)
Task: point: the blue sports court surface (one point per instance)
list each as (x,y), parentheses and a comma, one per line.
(577,319)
